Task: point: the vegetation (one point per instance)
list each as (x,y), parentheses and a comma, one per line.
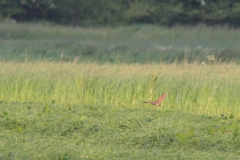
(115,12)
(77,93)
(132,44)
(192,88)
(38,131)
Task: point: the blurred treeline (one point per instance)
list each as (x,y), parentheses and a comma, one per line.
(123,12)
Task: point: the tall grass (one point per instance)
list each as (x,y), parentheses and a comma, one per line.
(201,89)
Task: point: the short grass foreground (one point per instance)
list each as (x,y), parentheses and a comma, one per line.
(64,131)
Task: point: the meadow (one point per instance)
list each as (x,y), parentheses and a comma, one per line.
(66,106)
(130,44)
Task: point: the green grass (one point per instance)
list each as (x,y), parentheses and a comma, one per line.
(53,107)
(30,131)
(137,43)
(200,89)
(89,111)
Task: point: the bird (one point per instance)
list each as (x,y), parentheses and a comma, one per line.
(158,101)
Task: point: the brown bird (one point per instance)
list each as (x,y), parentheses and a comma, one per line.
(158,101)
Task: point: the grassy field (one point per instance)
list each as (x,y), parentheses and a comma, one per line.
(89,111)
(78,93)
(200,89)
(37,131)
(132,44)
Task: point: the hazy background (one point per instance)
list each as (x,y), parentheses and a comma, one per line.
(127,31)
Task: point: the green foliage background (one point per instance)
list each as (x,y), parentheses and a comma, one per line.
(124,12)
